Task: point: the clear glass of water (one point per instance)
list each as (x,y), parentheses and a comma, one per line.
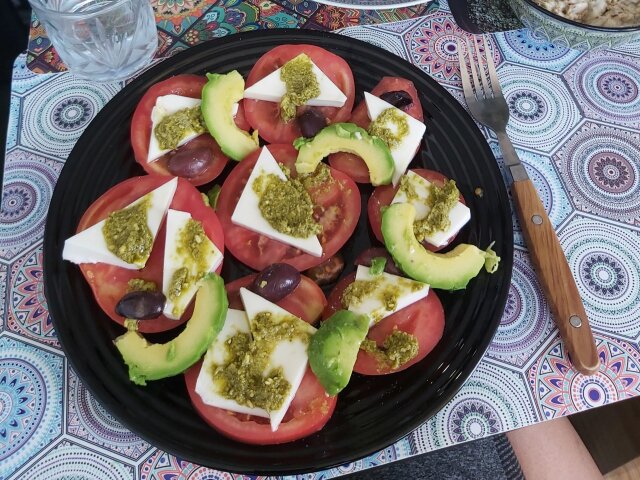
(100,40)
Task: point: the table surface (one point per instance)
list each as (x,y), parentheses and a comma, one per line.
(575,121)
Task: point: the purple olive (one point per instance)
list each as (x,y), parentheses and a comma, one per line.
(328,271)
(141,305)
(276,281)
(397,98)
(190,162)
(311,122)
(369,254)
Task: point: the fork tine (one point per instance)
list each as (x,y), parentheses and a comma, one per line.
(464,74)
(482,71)
(497,91)
(474,74)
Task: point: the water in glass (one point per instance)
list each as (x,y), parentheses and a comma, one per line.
(101,40)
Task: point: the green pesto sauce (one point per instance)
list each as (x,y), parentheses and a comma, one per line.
(127,234)
(194,250)
(358,290)
(141,285)
(408,188)
(301,85)
(286,205)
(243,377)
(441,201)
(397,349)
(392,135)
(176,126)
(318,179)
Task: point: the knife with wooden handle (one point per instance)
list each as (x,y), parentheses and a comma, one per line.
(551,266)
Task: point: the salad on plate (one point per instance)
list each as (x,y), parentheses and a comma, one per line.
(265,356)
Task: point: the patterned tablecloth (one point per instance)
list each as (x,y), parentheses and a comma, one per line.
(575,121)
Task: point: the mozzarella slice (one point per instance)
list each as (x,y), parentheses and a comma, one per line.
(404,152)
(458,216)
(173,260)
(404,290)
(271,88)
(168,105)
(247,213)
(291,356)
(236,322)
(89,246)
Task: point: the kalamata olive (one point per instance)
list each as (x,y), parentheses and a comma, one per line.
(276,281)
(365,259)
(311,122)
(141,305)
(397,98)
(190,162)
(328,271)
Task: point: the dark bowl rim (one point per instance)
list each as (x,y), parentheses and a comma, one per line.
(596,28)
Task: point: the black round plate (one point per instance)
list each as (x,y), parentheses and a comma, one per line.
(372,412)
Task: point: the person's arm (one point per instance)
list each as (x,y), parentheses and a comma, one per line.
(553,450)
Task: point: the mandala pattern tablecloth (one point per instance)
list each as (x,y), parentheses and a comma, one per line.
(576,124)
(185,23)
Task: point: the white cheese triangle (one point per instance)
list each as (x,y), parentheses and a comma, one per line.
(247,212)
(407,292)
(235,322)
(291,356)
(271,89)
(176,221)
(459,215)
(89,246)
(404,152)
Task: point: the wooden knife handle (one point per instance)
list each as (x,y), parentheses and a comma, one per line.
(556,278)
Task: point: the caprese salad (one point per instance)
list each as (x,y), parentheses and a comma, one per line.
(265,356)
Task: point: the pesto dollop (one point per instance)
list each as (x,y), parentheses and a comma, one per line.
(301,85)
(286,205)
(358,290)
(243,377)
(391,126)
(127,234)
(141,285)
(397,349)
(173,128)
(441,200)
(194,250)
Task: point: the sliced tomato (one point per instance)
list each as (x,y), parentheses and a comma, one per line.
(310,410)
(383,195)
(306,301)
(337,212)
(186,86)
(424,319)
(265,116)
(353,165)
(108,282)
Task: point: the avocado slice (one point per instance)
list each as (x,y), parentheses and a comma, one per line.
(333,349)
(350,138)
(218,96)
(151,361)
(449,271)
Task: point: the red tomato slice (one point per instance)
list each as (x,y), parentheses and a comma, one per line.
(337,212)
(353,165)
(265,116)
(424,319)
(310,410)
(108,282)
(187,86)
(306,301)
(382,196)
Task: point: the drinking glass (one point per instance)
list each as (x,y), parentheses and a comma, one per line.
(100,40)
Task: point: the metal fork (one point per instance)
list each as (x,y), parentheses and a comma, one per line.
(488,106)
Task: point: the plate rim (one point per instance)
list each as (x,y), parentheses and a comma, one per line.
(164,70)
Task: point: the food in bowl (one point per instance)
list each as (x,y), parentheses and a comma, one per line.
(600,13)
